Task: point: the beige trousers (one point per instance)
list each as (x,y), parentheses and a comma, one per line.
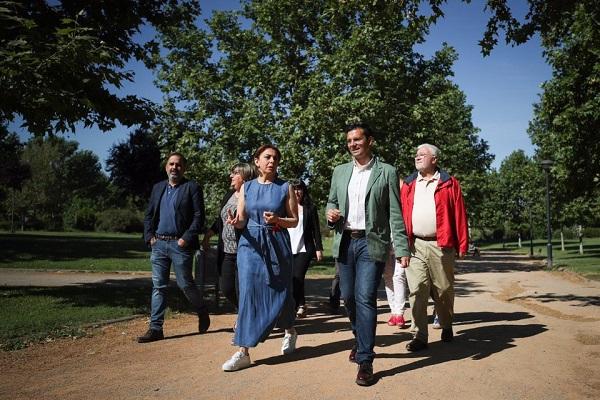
(431,267)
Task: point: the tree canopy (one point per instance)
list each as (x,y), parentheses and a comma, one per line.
(134,165)
(62,61)
(294,73)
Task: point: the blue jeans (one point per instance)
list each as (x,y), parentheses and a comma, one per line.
(165,253)
(359,279)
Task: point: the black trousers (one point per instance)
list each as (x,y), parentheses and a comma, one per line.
(229,278)
(301,264)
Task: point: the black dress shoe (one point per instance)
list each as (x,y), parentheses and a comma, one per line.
(365,375)
(151,336)
(352,355)
(447,335)
(334,303)
(416,345)
(203,321)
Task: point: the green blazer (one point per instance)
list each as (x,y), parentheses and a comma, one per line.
(382,210)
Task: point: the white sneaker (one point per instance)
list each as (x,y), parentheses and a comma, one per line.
(288,346)
(238,361)
(436,323)
(301,313)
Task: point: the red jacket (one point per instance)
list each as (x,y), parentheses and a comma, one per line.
(451,217)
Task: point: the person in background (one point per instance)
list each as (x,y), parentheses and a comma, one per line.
(396,290)
(306,243)
(173,220)
(436,223)
(266,209)
(227,234)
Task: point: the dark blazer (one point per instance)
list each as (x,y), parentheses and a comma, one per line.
(189,212)
(312,230)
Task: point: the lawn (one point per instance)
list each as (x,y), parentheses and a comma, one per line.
(586,264)
(34,314)
(74,251)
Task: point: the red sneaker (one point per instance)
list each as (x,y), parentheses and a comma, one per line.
(400,322)
(393,321)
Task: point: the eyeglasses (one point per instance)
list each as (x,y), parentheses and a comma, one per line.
(424,155)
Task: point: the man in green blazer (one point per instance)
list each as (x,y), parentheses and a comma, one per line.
(364,210)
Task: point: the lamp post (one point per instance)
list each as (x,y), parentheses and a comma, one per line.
(546,165)
(530,233)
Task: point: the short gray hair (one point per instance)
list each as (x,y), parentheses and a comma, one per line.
(433,149)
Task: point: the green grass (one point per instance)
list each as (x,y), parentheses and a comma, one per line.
(327,265)
(34,314)
(74,251)
(586,264)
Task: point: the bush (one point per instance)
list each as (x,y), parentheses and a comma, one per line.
(120,220)
(80,215)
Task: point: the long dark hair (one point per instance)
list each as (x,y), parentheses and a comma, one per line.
(299,184)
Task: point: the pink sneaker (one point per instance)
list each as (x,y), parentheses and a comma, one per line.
(400,322)
(393,321)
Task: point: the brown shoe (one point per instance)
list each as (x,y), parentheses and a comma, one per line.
(365,375)
(352,355)
(416,345)
(151,335)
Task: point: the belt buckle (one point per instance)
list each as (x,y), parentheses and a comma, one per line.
(357,234)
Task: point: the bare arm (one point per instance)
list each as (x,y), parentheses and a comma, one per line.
(239,219)
(291,209)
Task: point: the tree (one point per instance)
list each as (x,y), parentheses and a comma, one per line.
(13,172)
(549,19)
(134,165)
(62,60)
(294,73)
(60,174)
(567,119)
(520,192)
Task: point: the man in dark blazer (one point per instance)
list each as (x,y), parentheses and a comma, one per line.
(172,223)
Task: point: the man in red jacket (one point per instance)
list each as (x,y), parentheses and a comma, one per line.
(436,223)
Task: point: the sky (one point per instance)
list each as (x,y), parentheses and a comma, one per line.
(502,87)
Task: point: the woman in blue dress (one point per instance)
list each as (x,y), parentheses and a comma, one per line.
(266,207)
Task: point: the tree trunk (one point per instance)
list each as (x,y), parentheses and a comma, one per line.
(562,239)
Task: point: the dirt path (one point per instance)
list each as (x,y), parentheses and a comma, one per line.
(520,333)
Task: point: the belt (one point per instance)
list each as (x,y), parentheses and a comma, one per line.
(427,238)
(356,234)
(166,237)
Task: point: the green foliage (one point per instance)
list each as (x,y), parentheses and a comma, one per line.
(62,60)
(294,73)
(120,220)
(80,215)
(567,118)
(135,166)
(59,173)
(13,172)
(547,18)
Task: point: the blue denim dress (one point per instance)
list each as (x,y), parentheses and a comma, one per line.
(264,260)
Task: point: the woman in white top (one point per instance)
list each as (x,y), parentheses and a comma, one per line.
(306,243)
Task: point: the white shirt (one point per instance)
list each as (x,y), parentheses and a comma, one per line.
(297,236)
(423,215)
(357,194)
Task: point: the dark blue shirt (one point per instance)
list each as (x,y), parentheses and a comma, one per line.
(166,221)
